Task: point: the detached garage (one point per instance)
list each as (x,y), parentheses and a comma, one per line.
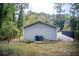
(40,31)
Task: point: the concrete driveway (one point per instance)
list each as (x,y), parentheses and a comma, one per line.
(63,37)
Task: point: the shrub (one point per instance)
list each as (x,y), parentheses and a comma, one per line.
(7,51)
(29,41)
(77,34)
(8,30)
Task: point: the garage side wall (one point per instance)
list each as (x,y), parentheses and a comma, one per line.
(49,33)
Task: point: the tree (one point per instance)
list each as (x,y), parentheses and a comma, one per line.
(8,25)
(75,23)
(59,23)
(8,30)
(9,10)
(20,8)
(1,13)
(59,16)
(58,7)
(32,17)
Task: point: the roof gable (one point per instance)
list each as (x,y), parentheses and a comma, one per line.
(40,23)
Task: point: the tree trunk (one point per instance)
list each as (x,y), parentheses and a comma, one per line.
(19,36)
(8,40)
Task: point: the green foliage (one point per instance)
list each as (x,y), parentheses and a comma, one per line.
(20,8)
(73,24)
(1,13)
(8,30)
(67,23)
(75,21)
(10,11)
(75,6)
(33,17)
(77,26)
(20,20)
(6,51)
(77,31)
(77,35)
(59,23)
(8,25)
(29,41)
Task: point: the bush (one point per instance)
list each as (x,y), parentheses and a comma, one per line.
(7,51)
(29,41)
(8,30)
(77,34)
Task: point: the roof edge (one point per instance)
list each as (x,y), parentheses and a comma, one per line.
(42,23)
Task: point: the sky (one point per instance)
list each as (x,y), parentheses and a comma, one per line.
(45,6)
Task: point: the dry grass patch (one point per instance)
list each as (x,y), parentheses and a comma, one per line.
(48,49)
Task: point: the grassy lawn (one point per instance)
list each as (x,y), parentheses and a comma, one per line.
(33,49)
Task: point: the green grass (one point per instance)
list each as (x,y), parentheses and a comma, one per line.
(33,49)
